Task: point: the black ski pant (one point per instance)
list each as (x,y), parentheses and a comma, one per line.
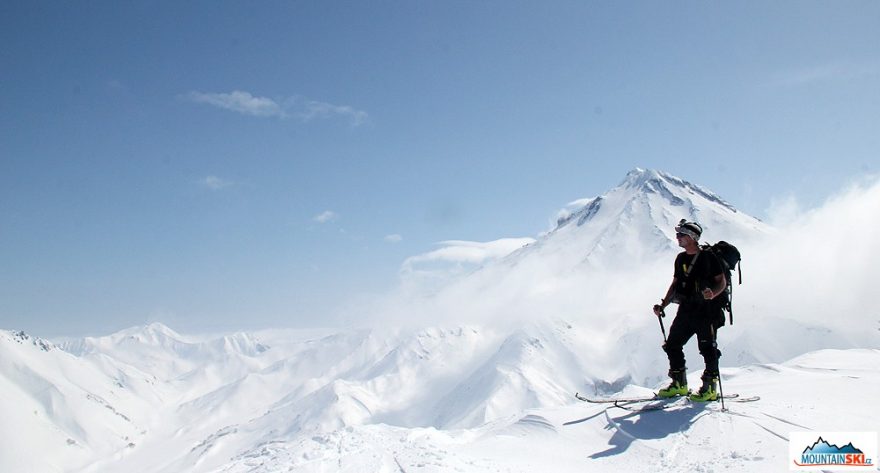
(701,321)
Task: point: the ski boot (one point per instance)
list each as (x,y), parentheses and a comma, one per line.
(707,391)
(678,386)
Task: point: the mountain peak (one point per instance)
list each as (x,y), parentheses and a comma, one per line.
(155,332)
(638,177)
(22,338)
(676,190)
(634,222)
(652,191)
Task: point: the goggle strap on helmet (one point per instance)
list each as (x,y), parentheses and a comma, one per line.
(691,229)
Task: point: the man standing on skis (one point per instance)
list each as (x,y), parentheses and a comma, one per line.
(697,282)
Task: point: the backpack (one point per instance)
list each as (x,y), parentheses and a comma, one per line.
(729,258)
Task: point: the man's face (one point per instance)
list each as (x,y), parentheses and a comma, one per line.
(683,240)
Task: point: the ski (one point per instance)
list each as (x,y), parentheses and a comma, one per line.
(660,404)
(606,400)
(664,401)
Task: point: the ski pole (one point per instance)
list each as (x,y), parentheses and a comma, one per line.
(660,315)
(720,386)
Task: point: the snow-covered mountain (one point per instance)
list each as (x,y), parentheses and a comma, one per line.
(635,221)
(60,410)
(481,379)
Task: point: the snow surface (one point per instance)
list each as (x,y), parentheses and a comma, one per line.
(480,374)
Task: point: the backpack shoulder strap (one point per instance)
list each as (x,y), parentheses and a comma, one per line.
(687,271)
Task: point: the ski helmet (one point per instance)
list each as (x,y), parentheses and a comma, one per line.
(691,229)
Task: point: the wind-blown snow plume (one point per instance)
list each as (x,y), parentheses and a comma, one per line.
(817,272)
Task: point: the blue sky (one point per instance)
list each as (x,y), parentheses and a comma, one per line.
(234,165)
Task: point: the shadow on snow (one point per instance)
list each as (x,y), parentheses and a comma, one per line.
(649,425)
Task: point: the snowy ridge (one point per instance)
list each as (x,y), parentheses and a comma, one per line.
(659,182)
(148,345)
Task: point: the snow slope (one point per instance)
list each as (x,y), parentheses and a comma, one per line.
(60,410)
(577,437)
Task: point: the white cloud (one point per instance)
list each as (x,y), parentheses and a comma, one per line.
(304,109)
(326,216)
(823,73)
(315,110)
(394,238)
(215,183)
(567,211)
(241,102)
(457,253)
(822,261)
(783,211)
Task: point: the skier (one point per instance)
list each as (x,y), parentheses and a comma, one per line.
(697,282)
